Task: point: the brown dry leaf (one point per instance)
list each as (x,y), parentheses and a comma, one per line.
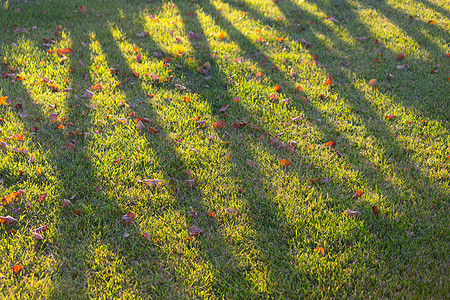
(195,231)
(151,182)
(67,203)
(53,117)
(231,211)
(190,182)
(88,94)
(140,125)
(376,211)
(40,229)
(147,236)
(236,99)
(400,56)
(372,82)
(37,236)
(285,163)
(7,220)
(78,212)
(128,218)
(351,213)
(83,10)
(319,250)
(192,213)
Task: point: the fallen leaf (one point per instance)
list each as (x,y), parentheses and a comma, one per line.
(7,220)
(400,56)
(431,22)
(372,82)
(375,210)
(153,130)
(331,144)
(66,203)
(285,162)
(277,88)
(40,229)
(389,117)
(16,269)
(190,182)
(147,236)
(192,213)
(42,197)
(18,137)
(195,231)
(358,194)
(37,236)
(405,66)
(3,101)
(236,99)
(83,10)
(128,218)
(221,35)
(140,125)
(151,182)
(319,250)
(351,213)
(78,212)
(210,214)
(231,211)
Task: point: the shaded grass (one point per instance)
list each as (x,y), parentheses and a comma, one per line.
(267,249)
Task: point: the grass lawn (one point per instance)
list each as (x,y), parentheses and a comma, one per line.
(224,149)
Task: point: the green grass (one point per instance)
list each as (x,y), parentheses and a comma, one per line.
(283,214)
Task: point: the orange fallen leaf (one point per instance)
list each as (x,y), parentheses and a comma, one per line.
(372,82)
(299,88)
(280,39)
(285,163)
(319,250)
(42,197)
(186,99)
(78,212)
(258,74)
(53,117)
(122,120)
(210,214)
(277,88)
(331,144)
(97,87)
(220,124)
(431,22)
(221,35)
(16,269)
(3,100)
(153,130)
(389,117)
(236,99)
(376,211)
(358,194)
(17,137)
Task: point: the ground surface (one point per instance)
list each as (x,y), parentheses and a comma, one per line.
(261,123)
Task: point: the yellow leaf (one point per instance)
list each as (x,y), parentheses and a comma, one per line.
(285,162)
(319,250)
